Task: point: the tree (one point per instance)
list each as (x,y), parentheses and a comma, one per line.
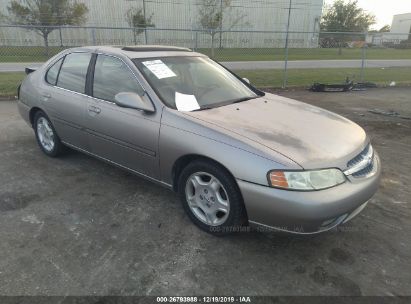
(211,14)
(385,29)
(345,17)
(45,16)
(2,17)
(136,18)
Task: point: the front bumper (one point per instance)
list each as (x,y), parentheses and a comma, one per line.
(309,212)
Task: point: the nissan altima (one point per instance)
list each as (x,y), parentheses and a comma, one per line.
(235,155)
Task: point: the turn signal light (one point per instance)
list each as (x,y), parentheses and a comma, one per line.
(278,179)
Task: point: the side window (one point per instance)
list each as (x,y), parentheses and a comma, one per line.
(74,71)
(112,76)
(53,72)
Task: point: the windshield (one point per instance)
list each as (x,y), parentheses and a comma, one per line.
(193,83)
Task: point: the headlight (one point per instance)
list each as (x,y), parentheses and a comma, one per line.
(306,180)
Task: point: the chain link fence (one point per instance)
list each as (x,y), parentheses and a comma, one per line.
(267,58)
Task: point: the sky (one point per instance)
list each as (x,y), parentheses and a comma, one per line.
(384,10)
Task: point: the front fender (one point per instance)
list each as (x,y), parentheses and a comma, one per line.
(180,137)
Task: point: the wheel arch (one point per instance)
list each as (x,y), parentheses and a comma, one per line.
(32,113)
(184,160)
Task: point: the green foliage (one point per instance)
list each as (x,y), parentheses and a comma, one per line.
(212,12)
(345,16)
(2,17)
(46,15)
(385,29)
(137,19)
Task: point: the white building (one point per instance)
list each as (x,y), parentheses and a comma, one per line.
(182,16)
(401,24)
(400,30)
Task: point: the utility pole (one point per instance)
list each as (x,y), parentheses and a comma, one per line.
(364,56)
(145,20)
(286,47)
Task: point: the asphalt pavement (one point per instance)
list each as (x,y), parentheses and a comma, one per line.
(77,226)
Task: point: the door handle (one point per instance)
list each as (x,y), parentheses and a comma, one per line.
(94,109)
(46,96)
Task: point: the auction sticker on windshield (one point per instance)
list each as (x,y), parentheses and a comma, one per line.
(159,69)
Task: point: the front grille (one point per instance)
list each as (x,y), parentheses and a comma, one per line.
(363,164)
(364,172)
(356,160)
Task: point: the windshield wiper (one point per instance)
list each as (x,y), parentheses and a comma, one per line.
(243,99)
(225,103)
(202,108)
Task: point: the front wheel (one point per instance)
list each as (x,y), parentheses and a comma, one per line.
(46,135)
(211,198)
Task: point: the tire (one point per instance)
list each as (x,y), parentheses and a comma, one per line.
(46,135)
(215,190)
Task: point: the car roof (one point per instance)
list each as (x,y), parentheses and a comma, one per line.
(142,51)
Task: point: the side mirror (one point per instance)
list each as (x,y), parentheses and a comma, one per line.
(247,80)
(133,101)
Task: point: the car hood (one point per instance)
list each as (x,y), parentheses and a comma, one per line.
(310,136)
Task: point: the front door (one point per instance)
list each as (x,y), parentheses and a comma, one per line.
(125,136)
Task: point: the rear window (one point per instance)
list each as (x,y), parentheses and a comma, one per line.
(73,73)
(52,73)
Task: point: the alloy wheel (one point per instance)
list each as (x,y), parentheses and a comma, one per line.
(45,134)
(207,198)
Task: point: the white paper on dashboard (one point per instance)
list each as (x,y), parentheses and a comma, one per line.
(186,103)
(159,69)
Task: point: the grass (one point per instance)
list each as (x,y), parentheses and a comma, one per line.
(9,83)
(27,53)
(273,78)
(273,54)
(37,54)
(305,77)
(305,54)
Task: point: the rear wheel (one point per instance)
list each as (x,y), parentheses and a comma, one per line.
(46,135)
(211,198)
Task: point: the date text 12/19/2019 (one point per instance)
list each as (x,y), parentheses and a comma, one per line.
(204,299)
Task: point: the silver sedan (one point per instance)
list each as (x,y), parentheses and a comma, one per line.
(236,155)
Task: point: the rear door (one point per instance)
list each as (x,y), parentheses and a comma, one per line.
(125,136)
(65,98)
